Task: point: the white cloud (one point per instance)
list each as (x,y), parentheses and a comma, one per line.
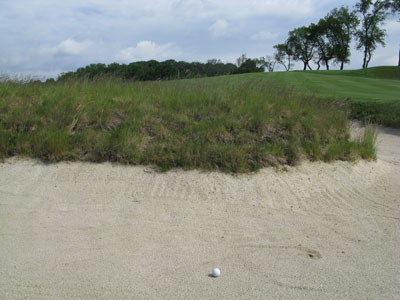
(263,36)
(219,28)
(72,47)
(392,61)
(238,9)
(17,59)
(146,50)
(91,31)
(392,27)
(67,47)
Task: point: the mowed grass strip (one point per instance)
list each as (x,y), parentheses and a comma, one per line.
(233,124)
(374,92)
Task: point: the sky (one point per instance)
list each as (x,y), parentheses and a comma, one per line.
(45,37)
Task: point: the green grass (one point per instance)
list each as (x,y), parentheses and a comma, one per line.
(233,124)
(384,72)
(374,92)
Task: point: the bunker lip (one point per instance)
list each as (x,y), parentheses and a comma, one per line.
(317,230)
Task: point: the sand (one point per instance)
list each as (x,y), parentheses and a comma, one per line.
(103,231)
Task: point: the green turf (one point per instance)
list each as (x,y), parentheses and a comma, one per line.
(347,84)
(385,72)
(375,92)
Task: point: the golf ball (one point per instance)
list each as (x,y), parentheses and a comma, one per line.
(216,272)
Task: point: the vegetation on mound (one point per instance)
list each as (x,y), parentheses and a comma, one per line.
(233,124)
(382,112)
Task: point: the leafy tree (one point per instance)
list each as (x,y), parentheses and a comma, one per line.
(302,45)
(152,70)
(267,62)
(249,66)
(214,61)
(50,81)
(324,46)
(370,35)
(241,60)
(283,56)
(340,26)
(167,70)
(393,5)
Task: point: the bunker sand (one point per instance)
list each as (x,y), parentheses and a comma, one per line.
(101,231)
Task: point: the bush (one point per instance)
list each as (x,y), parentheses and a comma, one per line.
(385,113)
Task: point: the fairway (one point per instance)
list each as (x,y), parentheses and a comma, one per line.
(339,86)
(374,92)
(343,84)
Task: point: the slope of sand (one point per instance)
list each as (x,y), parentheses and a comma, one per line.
(100,231)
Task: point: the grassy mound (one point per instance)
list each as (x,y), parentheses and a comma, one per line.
(233,124)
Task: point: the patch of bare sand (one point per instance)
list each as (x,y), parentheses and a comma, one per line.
(100,231)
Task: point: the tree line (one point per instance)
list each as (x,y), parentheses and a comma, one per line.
(166,70)
(329,40)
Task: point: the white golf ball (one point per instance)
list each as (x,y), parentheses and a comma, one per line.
(216,272)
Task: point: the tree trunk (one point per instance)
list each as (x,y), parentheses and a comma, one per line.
(365,58)
(399,58)
(341,65)
(319,65)
(309,67)
(327,65)
(368,59)
(305,66)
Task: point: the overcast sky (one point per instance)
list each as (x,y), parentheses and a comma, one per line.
(47,37)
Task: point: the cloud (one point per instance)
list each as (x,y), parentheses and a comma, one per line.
(102,31)
(392,61)
(392,27)
(67,47)
(219,29)
(16,59)
(238,9)
(263,36)
(146,50)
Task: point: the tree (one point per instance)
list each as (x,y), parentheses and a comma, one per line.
(267,62)
(370,35)
(249,66)
(393,5)
(340,26)
(241,60)
(283,55)
(300,40)
(324,45)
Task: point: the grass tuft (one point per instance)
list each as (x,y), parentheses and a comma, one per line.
(367,143)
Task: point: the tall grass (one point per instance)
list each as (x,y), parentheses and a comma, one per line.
(233,124)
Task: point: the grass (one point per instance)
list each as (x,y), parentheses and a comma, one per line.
(233,124)
(374,92)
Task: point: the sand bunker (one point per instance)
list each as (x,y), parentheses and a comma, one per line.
(100,231)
